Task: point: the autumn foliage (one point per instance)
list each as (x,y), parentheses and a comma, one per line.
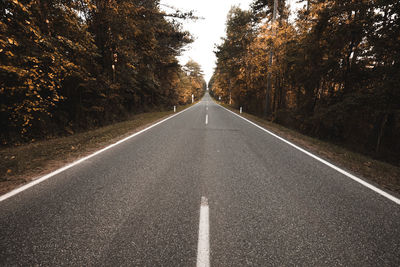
(70,65)
(335,71)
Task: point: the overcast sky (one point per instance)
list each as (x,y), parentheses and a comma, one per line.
(207,31)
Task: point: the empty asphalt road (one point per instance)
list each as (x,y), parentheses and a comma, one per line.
(262,202)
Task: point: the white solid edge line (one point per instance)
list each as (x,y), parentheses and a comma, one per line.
(47,176)
(355,178)
(206,119)
(203,245)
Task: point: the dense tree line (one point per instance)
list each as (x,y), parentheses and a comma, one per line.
(69,65)
(335,72)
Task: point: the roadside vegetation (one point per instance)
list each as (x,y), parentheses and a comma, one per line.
(334,72)
(72,66)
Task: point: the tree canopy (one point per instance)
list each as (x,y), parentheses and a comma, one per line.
(335,70)
(67,66)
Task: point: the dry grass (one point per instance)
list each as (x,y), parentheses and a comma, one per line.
(21,164)
(385,175)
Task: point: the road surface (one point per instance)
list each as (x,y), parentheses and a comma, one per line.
(263,203)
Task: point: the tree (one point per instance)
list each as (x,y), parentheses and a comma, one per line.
(196,78)
(69,65)
(335,71)
(230,55)
(42,44)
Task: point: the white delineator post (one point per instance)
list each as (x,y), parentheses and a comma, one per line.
(241,110)
(203,246)
(174,108)
(192,98)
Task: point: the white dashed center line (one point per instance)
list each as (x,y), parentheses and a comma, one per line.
(203,246)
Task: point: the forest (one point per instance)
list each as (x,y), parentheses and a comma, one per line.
(72,65)
(331,70)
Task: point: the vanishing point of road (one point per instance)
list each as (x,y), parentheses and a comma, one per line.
(204,187)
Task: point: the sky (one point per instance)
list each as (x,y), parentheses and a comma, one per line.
(207,31)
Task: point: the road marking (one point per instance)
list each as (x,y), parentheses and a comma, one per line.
(203,246)
(351,176)
(47,176)
(206,108)
(206,119)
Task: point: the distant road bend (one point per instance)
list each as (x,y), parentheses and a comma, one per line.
(204,187)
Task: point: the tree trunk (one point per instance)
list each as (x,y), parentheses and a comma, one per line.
(380,132)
